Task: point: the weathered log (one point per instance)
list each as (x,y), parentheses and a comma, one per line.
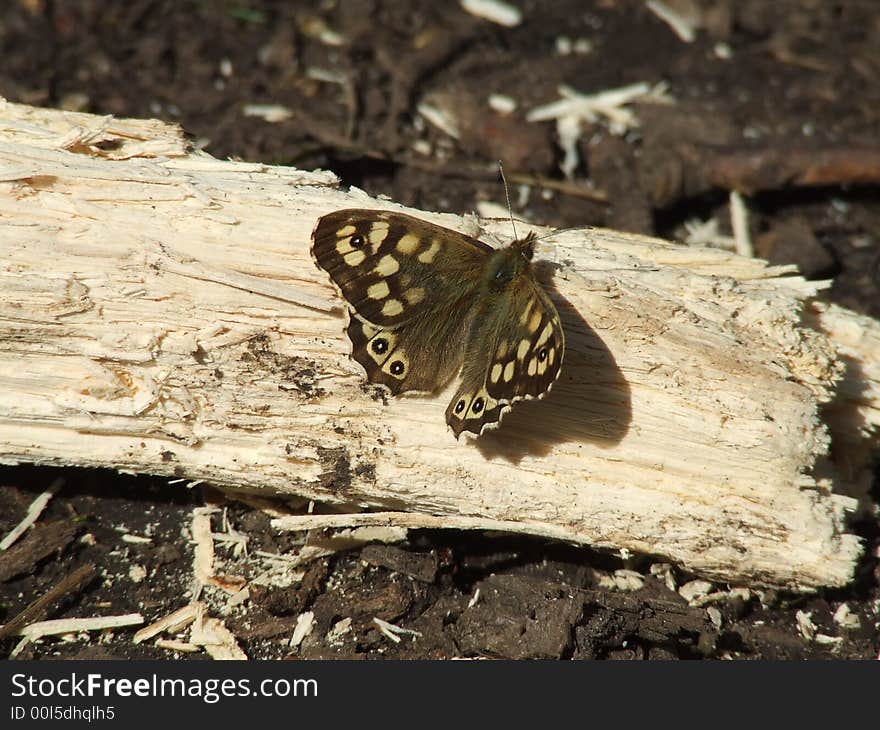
(160,312)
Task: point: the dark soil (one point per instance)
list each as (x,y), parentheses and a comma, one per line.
(791,118)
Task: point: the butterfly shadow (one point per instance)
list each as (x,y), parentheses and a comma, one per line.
(589,403)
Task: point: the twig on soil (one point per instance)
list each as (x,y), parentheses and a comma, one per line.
(407,520)
(566,187)
(779,166)
(394,632)
(38,630)
(43,540)
(172,623)
(335,141)
(71,583)
(33,514)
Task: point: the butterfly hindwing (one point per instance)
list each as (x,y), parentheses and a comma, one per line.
(398,358)
(528,348)
(473,409)
(525,342)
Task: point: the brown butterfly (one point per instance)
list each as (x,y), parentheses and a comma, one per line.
(427,302)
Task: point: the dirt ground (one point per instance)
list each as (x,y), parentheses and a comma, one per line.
(777,100)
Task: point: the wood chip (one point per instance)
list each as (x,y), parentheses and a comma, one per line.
(305,622)
(694,590)
(37,630)
(218,641)
(338,630)
(739,222)
(176,645)
(393,631)
(172,623)
(494,11)
(683,27)
(203,557)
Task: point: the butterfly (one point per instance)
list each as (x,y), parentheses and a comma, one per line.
(427,303)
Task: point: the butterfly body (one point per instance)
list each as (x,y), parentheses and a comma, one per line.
(427,303)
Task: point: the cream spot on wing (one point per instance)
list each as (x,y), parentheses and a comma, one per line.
(535,321)
(392,308)
(368,330)
(355,257)
(527,312)
(496,372)
(545,334)
(426,257)
(379,290)
(343,246)
(502,351)
(345,231)
(542,366)
(508,371)
(408,244)
(378,232)
(387,266)
(414,295)
(551,355)
(533,366)
(523,349)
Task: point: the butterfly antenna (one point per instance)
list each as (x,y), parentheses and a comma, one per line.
(507,195)
(559,230)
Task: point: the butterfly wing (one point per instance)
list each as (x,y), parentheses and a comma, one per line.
(420,356)
(525,343)
(391,267)
(410,285)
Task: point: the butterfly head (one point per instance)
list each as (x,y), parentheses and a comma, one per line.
(508,263)
(526,246)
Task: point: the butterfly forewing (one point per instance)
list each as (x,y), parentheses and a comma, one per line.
(391,267)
